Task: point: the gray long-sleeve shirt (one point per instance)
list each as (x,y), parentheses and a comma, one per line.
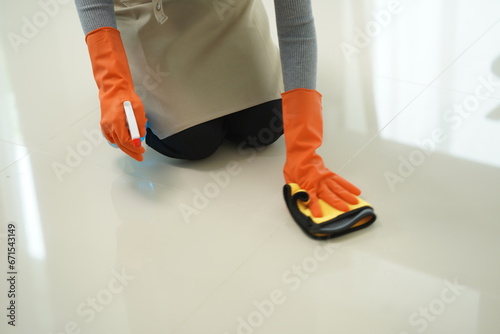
(296,35)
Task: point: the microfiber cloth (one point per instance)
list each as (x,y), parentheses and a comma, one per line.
(334,222)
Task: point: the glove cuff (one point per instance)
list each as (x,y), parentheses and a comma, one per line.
(302,120)
(102,31)
(302,92)
(109,61)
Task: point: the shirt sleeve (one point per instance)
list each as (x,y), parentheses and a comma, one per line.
(297,41)
(95,14)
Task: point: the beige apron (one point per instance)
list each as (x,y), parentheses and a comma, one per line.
(210,58)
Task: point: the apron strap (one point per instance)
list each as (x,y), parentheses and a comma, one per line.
(158,10)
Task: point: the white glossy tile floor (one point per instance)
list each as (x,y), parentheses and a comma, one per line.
(412,116)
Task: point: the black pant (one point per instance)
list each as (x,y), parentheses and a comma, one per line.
(257,126)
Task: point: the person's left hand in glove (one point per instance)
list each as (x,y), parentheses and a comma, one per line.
(303,127)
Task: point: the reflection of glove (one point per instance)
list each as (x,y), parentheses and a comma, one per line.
(303,127)
(113,78)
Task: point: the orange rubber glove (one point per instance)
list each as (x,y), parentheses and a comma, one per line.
(303,128)
(113,78)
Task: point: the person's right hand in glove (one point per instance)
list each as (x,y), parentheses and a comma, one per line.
(113,78)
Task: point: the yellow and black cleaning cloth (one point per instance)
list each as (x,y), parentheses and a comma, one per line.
(334,223)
